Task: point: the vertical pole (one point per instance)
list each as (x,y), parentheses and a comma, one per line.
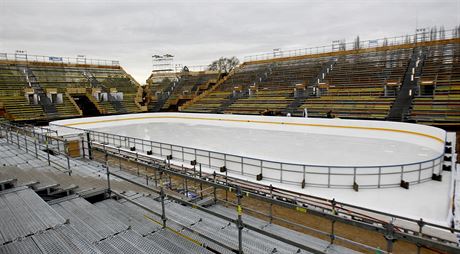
(36,149)
(48,153)
(83,147)
(107,169)
(137,163)
(88,140)
(17,137)
(119,158)
(186,182)
(420,223)
(162,198)
(389,236)
(25,142)
(239,208)
(226,185)
(271,204)
(214,188)
(201,185)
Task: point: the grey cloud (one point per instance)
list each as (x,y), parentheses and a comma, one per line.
(197,32)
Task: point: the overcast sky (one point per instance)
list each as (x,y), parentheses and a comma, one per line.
(197,32)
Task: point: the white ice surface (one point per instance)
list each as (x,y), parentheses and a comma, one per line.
(282,146)
(429,200)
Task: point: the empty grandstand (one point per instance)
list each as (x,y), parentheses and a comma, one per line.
(36,88)
(413,78)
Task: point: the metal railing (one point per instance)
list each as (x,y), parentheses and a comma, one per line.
(41,142)
(24,57)
(389,225)
(336,46)
(329,209)
(303,175)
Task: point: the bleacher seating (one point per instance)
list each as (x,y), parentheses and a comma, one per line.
(168,93)
(15,77)
(438,101)
(188,86)
(273,90)
(361,86)
(12,84)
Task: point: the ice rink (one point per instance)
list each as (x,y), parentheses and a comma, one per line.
(276,145)
(326,142)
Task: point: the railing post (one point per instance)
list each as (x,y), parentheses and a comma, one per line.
(185,180)
(162,198)
(389,236)
(119,158)
(271,204)
(83,147)
(240,225)
(420,223)
(36,149)
(25,143)
(137,163)
(201,185)
(17,138)
(88,140)
(214,188)
(48,153)
(419,172)
(107,169)
(226,185)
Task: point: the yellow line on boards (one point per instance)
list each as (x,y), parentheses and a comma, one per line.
(256,121)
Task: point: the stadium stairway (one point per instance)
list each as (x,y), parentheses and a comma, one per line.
(44,101)
(401,107)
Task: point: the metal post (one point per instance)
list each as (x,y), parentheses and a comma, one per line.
(25,142)
(107,169)
(201,185)
(420,223)
(137,163)
(119,158)
(389,236)
(17,137)
(240,225)
(88,140)
(83,147)
(214,188)
(186,182)
(162,198)
(36,149)
(48,153)
(271,204)
(226,185)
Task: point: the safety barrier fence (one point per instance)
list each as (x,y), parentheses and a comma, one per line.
(302,175)
(24,57)
(341,45)
(41,142)
(329,209)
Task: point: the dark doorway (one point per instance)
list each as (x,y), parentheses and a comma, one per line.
(88,107)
